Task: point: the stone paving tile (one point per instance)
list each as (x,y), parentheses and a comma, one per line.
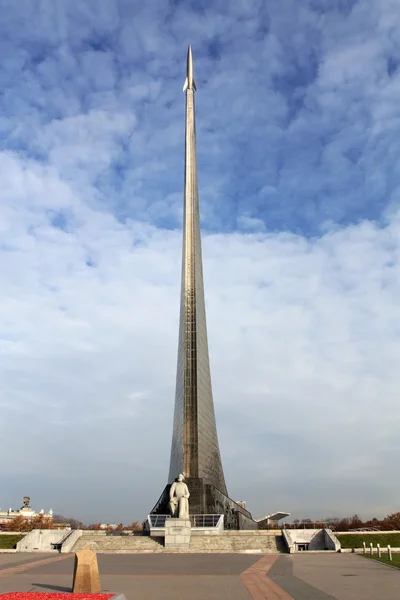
(160,564)
(281,573)
(348,577)
(204,587)
(146,587)
(62,567)
(258,583)
(172,564)
(158,577)
(13,560)
(30,564)
(28,583)
(138,576)
(211,577)
(261,587)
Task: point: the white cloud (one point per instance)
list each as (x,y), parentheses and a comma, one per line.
(309,327)
(298,136)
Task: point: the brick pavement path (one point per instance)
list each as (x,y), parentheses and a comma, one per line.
(15,567)
(260,586)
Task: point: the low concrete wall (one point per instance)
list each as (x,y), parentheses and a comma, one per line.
(71,540)
(40,540)
(289,543)
(331,541)
(317,539)
(314,537)
(361,550)
(366,532)
(205,531)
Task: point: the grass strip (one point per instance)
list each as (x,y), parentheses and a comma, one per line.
(356,540)
(8,542)
(384,559)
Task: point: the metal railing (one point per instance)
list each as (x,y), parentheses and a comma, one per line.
(197,521)
(157,520)
(205,520)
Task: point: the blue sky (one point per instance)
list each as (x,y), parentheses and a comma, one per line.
(297,126)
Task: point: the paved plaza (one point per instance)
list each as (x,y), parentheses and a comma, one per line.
(210,577)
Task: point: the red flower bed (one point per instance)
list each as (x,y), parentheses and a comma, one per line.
(52,596)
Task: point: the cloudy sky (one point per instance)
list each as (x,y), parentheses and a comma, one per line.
(298,121)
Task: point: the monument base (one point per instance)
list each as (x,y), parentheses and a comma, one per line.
(177,533)
(205,499)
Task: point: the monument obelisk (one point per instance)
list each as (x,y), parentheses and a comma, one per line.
(195,449)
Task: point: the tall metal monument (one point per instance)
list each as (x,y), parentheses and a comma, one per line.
(195,450)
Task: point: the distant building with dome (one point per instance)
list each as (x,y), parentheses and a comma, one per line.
(25,511)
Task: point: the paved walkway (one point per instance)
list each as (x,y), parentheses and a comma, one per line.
(303,576)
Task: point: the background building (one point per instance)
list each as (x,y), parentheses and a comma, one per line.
(25,511)
(272,521)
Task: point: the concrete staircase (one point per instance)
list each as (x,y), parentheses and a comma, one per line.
(239,542)
(118,544)
(228,542)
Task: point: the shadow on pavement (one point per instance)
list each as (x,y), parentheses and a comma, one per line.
(281,573)
(53,588)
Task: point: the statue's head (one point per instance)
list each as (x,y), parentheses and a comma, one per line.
(180,477)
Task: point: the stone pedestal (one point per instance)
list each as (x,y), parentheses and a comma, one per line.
(177,533)
(86,573)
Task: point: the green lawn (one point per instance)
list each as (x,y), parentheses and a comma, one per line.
(384,559)
(356,540)
(8,542)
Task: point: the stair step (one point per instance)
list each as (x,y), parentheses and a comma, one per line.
(228,542)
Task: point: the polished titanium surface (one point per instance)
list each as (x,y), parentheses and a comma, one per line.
(189,81)
(195,449)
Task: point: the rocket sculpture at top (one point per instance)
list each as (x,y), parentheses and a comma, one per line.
(195,449)
(189,81)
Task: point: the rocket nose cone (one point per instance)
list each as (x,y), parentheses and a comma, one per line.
(189,60)
(189,83)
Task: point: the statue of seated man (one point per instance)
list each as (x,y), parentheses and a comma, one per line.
(179,499)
